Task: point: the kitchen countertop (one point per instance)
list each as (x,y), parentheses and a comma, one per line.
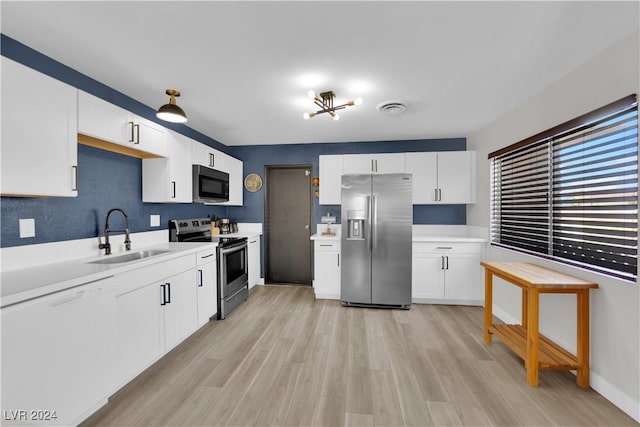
(33,282)
(417,238)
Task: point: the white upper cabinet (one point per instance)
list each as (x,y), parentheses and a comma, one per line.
(107,126)
(204,155)
(39,134)
(444,177)
(234,168)
(169,180)
(330,169)
(373,163)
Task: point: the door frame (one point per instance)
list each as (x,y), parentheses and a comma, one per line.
(267,231)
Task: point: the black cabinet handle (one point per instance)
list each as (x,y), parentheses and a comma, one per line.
(164,295)
(200,284)
(168,293)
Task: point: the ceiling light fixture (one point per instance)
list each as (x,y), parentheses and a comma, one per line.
(171,112)
(325,102)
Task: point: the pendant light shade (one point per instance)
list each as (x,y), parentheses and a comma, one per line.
(171,112)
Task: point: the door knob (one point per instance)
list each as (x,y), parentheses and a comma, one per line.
(306,226)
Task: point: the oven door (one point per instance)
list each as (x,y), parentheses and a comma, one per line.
(233,274)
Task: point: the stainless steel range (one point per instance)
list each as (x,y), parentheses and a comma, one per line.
(233,276)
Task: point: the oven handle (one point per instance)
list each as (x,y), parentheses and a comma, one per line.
(234,248)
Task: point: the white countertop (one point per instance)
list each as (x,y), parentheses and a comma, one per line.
(417,238)
(28,283)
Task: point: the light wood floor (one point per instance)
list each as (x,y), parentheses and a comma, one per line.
(283,358)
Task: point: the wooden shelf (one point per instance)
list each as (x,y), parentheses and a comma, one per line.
(550,354)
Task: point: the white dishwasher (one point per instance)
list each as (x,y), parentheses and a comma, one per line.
(57,355)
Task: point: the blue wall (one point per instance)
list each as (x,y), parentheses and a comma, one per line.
(256,158)
(108,180)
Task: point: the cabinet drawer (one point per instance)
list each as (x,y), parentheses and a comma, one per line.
(206,256)
(447,247)
(323,246)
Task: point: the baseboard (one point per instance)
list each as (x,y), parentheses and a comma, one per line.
(327,296)
(615,396)
(446,301)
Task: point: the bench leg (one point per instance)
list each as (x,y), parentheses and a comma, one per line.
(488,305)
(583,339)
(533,338)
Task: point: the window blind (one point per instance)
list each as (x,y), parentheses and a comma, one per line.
(573,196)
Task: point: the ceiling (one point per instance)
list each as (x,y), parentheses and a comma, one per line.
(244,68)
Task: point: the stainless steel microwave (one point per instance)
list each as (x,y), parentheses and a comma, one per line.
(210,185)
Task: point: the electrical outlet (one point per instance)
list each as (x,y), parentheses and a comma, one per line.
(27,228)
(154,221)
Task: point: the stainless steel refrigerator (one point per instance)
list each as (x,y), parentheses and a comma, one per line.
(377,218)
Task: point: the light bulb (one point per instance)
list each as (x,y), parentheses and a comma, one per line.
(306,116)
(336,117)
(357,101)
(311,94)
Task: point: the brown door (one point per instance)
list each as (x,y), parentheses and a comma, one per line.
(288,224)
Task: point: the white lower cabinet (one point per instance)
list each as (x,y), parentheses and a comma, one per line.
(156,309)
(57,356)
(139,331)
(326,280)
(447,272)
(253,255)
(180,313)
(206,285)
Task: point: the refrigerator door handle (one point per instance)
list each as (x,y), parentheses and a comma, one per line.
(374,231)
(369,230)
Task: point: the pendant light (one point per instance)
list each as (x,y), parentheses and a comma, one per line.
(171,112)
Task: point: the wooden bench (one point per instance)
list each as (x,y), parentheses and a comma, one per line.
(525,340)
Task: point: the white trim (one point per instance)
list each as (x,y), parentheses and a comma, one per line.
(615,396)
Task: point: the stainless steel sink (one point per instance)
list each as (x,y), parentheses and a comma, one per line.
(133,256)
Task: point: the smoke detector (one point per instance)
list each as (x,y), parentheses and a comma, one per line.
(392,108)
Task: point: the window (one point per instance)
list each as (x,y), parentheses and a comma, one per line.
(571,193)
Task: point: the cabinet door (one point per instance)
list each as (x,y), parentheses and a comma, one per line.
(204,155)
(105,121)
(39,133)
(424,167)
(56,353)
(330,169)
(253,253)
(207,285)
(456,176)
(389,163)
(463,277)
(140,329)
(149,136)
(169,180)
(180,308)
(326,281)
(427,276)
(373,163)
(234,168)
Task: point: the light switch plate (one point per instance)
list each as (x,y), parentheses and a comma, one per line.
(154,221)
(27,228)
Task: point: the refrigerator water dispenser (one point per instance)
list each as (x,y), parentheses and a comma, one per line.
(355,225)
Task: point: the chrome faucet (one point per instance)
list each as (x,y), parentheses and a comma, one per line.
(106,245)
